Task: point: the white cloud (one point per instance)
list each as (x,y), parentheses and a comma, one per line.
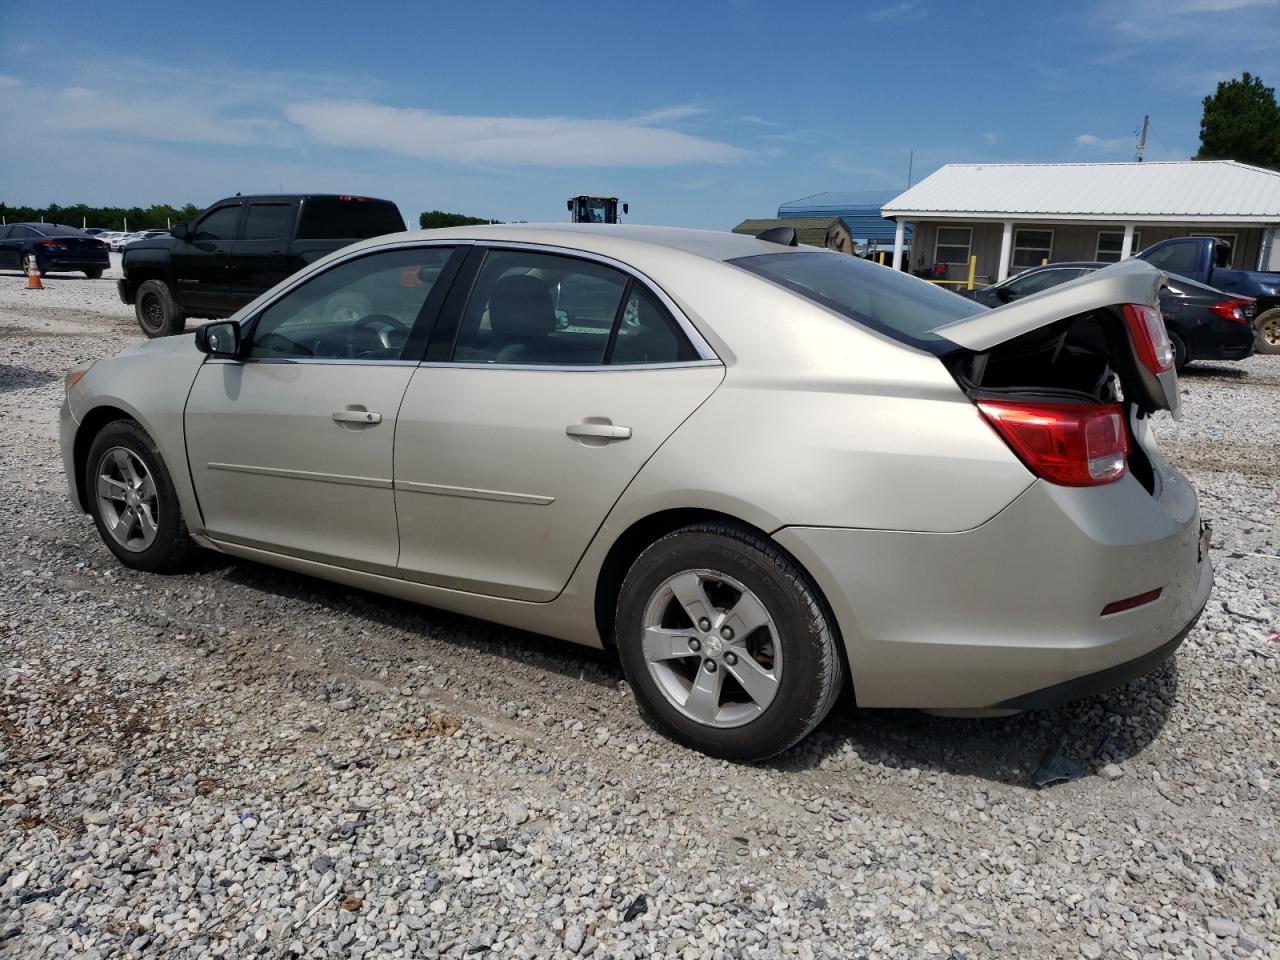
(503,141)
(169,118)
(8,81)
(670,114)
(990,139)
(758,121)
(1105,145)
(907,10)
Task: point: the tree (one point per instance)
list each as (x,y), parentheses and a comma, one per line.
(431,219)
(1241,122)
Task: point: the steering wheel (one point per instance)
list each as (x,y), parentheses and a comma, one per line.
(388,325)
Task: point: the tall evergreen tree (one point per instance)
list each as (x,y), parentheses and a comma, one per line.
(1241,122)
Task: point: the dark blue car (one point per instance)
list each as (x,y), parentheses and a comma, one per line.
(53,248)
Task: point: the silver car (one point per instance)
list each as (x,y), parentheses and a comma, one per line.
(757,470)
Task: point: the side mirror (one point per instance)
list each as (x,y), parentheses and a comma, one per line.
(182,232)
(568,204)
(219,339)
(626,208)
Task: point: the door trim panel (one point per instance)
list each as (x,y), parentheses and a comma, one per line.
(473,493)
(302,475)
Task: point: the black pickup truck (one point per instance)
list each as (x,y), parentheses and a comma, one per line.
(239,248)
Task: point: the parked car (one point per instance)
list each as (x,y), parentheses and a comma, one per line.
(93,231)
(51,248)
(1203,323)
(119,240)
(1207,260)
(881,487)
(239,248)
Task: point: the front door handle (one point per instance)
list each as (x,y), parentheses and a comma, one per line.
(598,431)
(357,416)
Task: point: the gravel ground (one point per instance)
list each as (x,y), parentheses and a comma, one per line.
(243,762)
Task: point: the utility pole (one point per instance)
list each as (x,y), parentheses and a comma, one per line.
(1142,138)
(911,162)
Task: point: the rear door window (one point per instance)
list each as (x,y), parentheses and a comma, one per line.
(269,221)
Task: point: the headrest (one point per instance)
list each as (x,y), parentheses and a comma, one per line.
(520,306)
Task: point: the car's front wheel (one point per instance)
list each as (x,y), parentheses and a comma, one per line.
(158,313)
(94,273)
(133,502)
(726,643)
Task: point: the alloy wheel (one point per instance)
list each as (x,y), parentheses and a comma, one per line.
(127,499)
(712,648)
(153,311)
(1270,332)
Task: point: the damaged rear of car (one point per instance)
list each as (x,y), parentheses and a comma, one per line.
(1091,575)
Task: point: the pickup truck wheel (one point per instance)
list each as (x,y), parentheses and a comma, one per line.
(94,274)
(1268,324)
(158,313)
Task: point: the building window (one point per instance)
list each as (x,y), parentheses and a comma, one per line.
(952,245)
(1031,247)
(1110,243)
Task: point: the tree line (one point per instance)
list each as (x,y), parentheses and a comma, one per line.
(156,216)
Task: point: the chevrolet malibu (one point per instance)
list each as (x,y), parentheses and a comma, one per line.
(759,471)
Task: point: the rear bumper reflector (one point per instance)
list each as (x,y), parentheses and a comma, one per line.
(1142,599)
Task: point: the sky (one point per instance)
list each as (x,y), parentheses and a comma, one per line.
(697,113)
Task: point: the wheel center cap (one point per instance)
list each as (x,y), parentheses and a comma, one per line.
(713,645)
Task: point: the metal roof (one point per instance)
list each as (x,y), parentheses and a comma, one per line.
(860,210)
(1209,191)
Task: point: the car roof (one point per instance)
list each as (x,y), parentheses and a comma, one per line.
(619,240)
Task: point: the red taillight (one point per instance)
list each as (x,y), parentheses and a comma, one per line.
(1074,444)
(101,245)
(1146,329)
(1233,310)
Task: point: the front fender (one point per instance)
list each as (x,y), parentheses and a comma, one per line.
(148,383)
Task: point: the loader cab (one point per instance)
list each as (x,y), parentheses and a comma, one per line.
(587,209)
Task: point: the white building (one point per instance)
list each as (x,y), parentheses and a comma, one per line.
(1017,215)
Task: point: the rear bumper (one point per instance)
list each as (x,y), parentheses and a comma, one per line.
(1012,609)
(55,264)
(1221,340)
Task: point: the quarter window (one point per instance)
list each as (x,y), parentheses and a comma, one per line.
(1032,247)
(1111,243)
(647,333)
(220,224)
(361,309)
(952,245)
(268,221)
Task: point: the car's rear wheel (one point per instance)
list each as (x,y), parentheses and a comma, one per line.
(133,502)
(28,262)
(1179,352)
(726,643)
(158,313)
(94,273)
(1268,324)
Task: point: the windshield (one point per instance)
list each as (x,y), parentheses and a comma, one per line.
(899,306)
(597,211)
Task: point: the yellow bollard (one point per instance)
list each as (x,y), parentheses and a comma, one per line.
(882,258)
(973,269)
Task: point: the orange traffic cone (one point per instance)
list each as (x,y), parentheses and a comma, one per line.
(33,277)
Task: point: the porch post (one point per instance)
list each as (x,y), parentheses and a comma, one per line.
(1126,248)
(899,238)
(1006,250)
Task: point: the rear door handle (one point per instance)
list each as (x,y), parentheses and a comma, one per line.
(598,431)
(357,416)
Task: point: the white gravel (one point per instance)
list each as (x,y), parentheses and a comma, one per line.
(242,762)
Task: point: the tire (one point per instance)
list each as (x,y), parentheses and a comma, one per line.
(29,261)
(158,313)
(1268,326)
(94,274)
(1179,352)
(792,660)
(169,547)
